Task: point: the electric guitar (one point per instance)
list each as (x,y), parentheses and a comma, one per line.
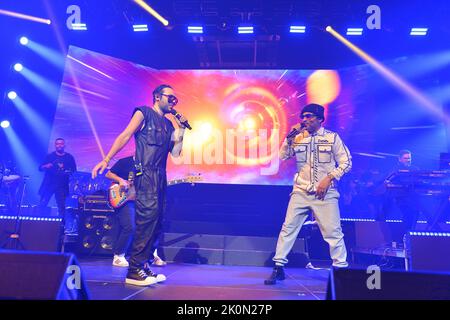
(118,196)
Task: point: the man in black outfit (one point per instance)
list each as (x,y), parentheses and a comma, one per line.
(58,167)
(155,137)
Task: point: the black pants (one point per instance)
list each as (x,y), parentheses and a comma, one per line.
(125,216)
(409,207)
(150,203)
(60,197)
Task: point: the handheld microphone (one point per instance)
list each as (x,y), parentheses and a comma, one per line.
(292,134)
(295,131)
(178,116)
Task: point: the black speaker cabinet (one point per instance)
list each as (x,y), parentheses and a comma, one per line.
(40,276)
(97,233)
(363,284)
(34,233)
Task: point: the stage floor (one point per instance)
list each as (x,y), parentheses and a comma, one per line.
(203,282)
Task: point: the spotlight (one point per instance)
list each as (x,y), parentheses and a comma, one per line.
(150,10)
(354,31)
(297,29)
(18,67)
(328,28)
(23,41)
(24,16)
(140,27)
(245,30)
(193,29)
(4,124)
(79,26)
(12,95)
(418,31)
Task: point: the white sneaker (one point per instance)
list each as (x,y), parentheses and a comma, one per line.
(158,277)
(311,267)
(158,262)
(120,261)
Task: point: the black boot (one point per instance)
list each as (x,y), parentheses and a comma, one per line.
(277,274)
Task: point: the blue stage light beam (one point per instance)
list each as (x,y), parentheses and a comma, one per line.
(28,166)
(54,57)
(416,66)
(441,94)
(34,120)
(49,89)
(393,78)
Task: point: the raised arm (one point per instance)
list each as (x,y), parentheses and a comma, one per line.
(121,140)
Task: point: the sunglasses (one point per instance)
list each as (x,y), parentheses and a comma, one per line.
(171,98)
(307,116)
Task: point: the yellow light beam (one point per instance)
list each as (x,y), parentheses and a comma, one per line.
(392,77)
(150,10)
(25,16)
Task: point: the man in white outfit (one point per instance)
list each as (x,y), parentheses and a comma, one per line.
(322,159)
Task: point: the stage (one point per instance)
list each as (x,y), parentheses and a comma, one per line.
(203,282)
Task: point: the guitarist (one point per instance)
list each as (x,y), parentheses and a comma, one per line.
(123,173)
(155,137)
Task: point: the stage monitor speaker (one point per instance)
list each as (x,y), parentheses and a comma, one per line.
(361,284)
(35,233)
(40,276)
(429,251)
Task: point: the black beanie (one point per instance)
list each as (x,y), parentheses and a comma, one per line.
(316,109)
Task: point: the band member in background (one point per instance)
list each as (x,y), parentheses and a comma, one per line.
(123,172)
(405,199)
(58,166)
(322,159)
(11,185)
(155,137)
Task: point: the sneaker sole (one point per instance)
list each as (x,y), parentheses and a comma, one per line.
(140,283)
(120,265)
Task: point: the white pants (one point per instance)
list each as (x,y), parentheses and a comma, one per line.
(326,213)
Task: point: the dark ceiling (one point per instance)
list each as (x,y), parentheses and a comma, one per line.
(272,46)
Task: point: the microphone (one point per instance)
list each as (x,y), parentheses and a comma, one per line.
(295,131)
(292,134)
(178,116)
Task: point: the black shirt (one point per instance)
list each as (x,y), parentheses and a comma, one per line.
(154,141)
(58,175)
(124,167)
